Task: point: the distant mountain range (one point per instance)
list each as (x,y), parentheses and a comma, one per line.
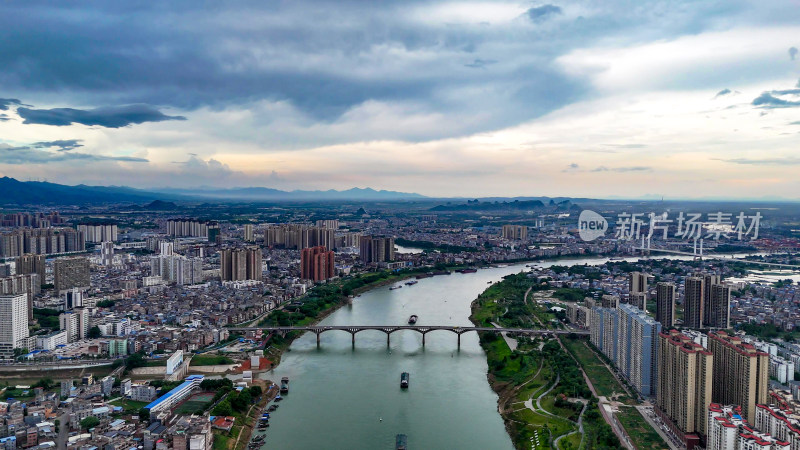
(15,192)
(262,193)
(477,205)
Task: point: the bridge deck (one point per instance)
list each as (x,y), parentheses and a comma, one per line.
(418,328)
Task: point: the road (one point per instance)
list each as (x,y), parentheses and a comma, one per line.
(63,431)
(651,418)
(608,417)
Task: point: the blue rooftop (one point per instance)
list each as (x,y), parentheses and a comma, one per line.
(174,391)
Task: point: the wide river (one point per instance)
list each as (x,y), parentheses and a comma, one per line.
(349,398)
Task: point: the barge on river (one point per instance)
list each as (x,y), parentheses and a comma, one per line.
(285,385)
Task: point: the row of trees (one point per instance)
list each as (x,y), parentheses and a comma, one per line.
(236,401)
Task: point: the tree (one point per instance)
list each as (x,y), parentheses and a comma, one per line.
(134,361)
(90,422)
(256,391)
(94,332)
(240,401)
(45,383)
(144,414)
(223,409)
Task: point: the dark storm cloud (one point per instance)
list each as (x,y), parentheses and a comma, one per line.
(541,13)
(793,53)
(725,91)
(4,118)
(63,145)
(322,57)
(31,155)
(6,102)
(109,117)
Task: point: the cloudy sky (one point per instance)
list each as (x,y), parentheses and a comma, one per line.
(580,98)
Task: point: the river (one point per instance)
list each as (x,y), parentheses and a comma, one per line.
(350,398)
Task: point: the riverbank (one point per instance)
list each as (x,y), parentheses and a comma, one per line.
(543,398)
(334,296)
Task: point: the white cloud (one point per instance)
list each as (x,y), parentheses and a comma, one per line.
(710,59)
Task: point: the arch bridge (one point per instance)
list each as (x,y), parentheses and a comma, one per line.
(422,329)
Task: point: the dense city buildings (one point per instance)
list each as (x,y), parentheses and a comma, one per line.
(709,281)
(29,284)
(177,269)
(515,232)
(191,228)
(604,331)
(154,293)
(298,236)
(609,301)
(237,264)
(36,220)
(107,253)
(99,232)
(685,377)
(31,263)
(719,307)
(332,224)
(665,304)
(637,282)
(693,302)
(780,423)
(76,324)
(741,373)
(637,351)
(13,323)
(41,241)
(71,273)
(376,249)
(317,264)
(728,429)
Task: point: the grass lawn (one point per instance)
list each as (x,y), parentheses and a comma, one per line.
(155,362)
(220,441)
(572,442)
(604,381)
(641,433)
(211,360)
(191,407)
(18,394)
(548,404)
(129,405)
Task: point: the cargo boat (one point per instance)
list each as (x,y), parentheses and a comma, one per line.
(401,442)
(404,377)
(412,282)
(467,270)
(284,385)
(413,319)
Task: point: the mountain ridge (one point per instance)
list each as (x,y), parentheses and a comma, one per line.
(15,192)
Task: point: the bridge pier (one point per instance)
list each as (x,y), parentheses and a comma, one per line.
(317,333)
(388,335)
(459,341)
(354,339)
